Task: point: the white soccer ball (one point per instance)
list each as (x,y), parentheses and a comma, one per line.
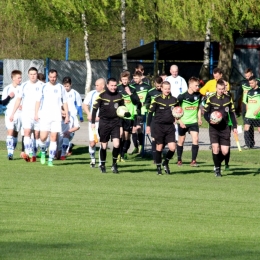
(177,112)
(216,117)
(121,111)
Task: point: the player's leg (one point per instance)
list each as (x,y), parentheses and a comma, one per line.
(43,137)
(92,146)
(181,139)
(158,160)
(104,131)
(53,147)
(140,132)
(214,140)
(115,136)
(10,144)
(194,132)
(247,125)
(28,145)
(135,139)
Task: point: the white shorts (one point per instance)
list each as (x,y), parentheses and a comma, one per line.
(49,125)
(16,124)
(28,122)
(90,132)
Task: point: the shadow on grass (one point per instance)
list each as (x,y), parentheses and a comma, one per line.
(243,171)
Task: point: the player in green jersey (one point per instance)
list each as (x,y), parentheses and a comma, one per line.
(142,89)
(252,117)
(191,119)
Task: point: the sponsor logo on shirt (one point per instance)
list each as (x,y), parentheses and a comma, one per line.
(252,101)
(191,108)
(216,107)
(106,104)
(140,97)
(161,107)
(116,105)
(127,101)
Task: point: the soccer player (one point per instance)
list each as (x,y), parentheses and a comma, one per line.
(132,102)
(51,98)
(27,93)
(140,68)
(88,107)
(164,128)
(66,135)
(151,95)
(190,121)
(252,116)
(220,133)
(109,123)
(142,89)
(9,96)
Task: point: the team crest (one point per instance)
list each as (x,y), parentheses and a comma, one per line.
(55,91)
(255,92)
(142,88)
(37,89)
(227,109)
(116,105)
(195,98)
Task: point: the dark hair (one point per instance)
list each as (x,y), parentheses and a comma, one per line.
(194,79)
(111,79)
(15,72)
(166,83)
(66,80)
(221,82)
(32,69)
(41,77)
(125,74)
(252,78)
(53,71)
(248,70)
(139,67)
(217,70)
(138,74)
(158,80)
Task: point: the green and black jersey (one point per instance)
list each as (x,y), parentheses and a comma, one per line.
(190,104)
(142,90)
(253,103)
(151,95)
(132,102)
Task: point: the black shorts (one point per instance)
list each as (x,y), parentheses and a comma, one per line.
(139,120)
(127,125)
(108,129)
(189,127)
(251,121)
(220,136)
(164,134)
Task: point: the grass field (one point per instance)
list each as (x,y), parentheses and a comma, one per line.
(73,212)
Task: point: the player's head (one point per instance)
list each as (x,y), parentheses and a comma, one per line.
(252,82)
(174,70)
(221,87)
(52,76)
(16,76)
(163,76)
(66,82)
(100,84)
(166,88)
(41,77)
(125,77)
(194,84)
(139,68)
(137,76)
(33,74)
(217,73)
(112,85)
(248,73)
(158,82)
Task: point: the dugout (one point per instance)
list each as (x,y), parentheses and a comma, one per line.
(188,55)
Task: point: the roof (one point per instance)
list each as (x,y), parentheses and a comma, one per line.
(171,50)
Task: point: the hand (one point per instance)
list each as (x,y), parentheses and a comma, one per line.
(256,112)
(148,130)
(127,90)
(11,95)
(36,118)
(11,118)
(121,132)
(66,120)
(97,119)
(182,125)
(93,126)
(127,114)
(81,119)
(213,123)
(139,119)
(66,134)
(89,118)
(235,131)
(20,107)
(200,122)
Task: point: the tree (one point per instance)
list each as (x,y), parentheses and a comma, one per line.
(123,31)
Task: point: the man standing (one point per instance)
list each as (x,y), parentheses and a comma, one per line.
(88,108)
(9,97)
(28,92)
(109,124)
(51,98)
(220,133)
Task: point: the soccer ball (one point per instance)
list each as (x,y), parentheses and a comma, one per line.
(177,112)
(121,111)
(216,117)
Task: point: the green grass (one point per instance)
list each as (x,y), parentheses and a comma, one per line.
(73,212)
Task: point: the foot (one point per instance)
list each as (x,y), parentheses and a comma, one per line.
(22,154)
(159,170)
(63,158)
(93,163)
(10,157)
(70,150)
(43,158)
(39,154)
(30,155)
(102,168)
(226,167)
(194,164)
(218,172)
(114,168)
(50,163)
(118,158)
(179,163)
(125,156)
(140,149)
(33,159)
(135,150)
(26,157)
(166,168)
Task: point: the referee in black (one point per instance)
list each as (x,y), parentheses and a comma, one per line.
(164,129)
(220,133)
(109,123)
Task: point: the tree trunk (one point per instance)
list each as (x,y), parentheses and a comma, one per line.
(156,38)
(87,57)
(204,72)
(226,56)
(123,30)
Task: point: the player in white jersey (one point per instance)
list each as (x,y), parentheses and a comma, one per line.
(9,97)
(51,98)
(27,94)
(66,135)
(178,86)
(88,106)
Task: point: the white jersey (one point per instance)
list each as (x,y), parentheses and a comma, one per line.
(10,106)
(28,92)
(178,85)
(74,122)
(74,101)
(90,99)
(52,97)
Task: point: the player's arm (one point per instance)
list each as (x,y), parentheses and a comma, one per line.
(66,111)
(16,105)
(199,116)
(79,106)
(6,97)
(134,98)
(96,106)
(206,110)
(148,100)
